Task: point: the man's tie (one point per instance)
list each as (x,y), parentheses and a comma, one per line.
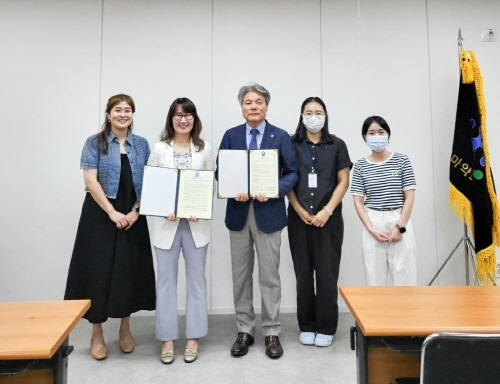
(253,142)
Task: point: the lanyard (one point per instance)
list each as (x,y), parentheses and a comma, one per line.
(313,159)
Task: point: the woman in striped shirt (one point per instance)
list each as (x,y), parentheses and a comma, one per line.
(383,186)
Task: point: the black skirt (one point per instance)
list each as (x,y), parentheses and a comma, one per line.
(112,267)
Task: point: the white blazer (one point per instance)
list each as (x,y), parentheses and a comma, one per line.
(163,229)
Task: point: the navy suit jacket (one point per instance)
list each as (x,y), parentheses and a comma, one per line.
(270,215)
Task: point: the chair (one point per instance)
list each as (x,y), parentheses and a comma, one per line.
(459,358)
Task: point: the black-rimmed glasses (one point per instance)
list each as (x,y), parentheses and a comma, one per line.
(187,117)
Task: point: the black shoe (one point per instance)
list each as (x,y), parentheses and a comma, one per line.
(273,346)
(240,346)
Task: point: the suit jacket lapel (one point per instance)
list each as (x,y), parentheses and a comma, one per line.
(268,136)
(195,157)
(241,137)
(169,155)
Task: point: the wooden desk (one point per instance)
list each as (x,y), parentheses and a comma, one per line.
(413,311)
(39,331)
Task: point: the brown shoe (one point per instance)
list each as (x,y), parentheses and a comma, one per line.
(126,342)
(98,352)
(273,346)
(240,346)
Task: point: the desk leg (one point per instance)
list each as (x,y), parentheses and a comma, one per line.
(378,364)
(361,356)
(59,363)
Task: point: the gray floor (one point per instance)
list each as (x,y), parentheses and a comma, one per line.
(299,364)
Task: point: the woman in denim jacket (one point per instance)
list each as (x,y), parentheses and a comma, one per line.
(112,263)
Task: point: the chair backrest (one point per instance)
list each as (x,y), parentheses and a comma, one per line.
(460,358)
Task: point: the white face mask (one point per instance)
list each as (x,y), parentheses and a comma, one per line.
(377,143)
(314,123)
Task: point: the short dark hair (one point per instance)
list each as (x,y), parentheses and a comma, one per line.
(187,106)
(375,119)
(301,131)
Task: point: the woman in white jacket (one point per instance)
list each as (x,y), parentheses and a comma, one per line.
(181,147)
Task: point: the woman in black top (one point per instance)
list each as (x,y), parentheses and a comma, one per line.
(315,223)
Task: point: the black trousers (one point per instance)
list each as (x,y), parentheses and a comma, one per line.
(316,254)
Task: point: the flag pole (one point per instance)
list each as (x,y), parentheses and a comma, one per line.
(468,246)
(466,234)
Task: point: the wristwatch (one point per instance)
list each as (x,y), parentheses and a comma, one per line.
(401,229)
(136,209)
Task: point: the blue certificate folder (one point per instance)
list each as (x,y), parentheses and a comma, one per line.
(184,192)
(251,172)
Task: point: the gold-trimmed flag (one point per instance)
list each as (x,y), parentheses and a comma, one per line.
(472,190)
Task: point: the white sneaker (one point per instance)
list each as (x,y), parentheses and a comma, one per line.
(323,340)
(307,338)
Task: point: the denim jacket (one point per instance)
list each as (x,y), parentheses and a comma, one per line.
(109,165)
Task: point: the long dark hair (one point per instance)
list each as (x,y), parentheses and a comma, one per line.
(301,132)
(106,127)
(187,106)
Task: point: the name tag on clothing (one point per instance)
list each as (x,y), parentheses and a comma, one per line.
(312,180)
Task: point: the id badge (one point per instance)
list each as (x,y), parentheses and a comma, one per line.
(312,180)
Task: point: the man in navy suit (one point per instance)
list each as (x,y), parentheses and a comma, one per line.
(258,221)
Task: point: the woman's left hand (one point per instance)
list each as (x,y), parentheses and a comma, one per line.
(131,217)
(395,235)
(193,218)
(171,217)
(320,219)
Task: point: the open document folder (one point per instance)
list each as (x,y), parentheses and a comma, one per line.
(252,172)
(185,192)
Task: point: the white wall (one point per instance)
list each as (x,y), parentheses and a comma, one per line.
(49,97)
(61,60)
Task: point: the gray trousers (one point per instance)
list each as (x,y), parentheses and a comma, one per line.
(167,323)
(267,246)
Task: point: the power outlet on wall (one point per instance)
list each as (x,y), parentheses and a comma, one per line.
(489,34)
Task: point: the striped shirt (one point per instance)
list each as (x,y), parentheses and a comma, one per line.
(382,184)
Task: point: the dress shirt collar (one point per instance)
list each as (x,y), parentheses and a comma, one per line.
(260,128)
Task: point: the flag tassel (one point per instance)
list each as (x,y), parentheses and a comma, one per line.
(478,81)
(485,260)
(462,207)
